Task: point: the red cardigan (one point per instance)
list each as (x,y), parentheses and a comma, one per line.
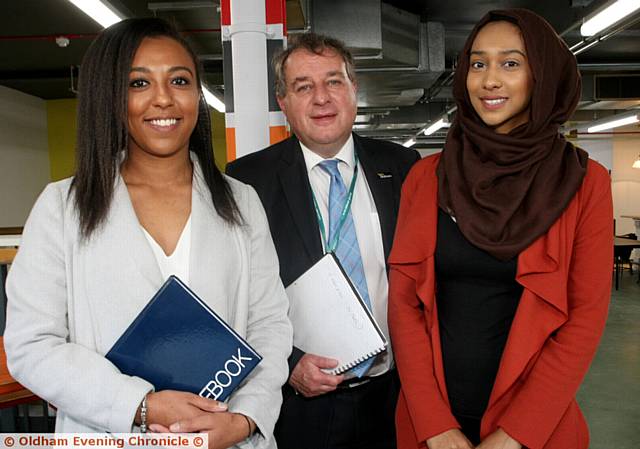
(566,275)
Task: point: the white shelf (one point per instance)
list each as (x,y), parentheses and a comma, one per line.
(10,240)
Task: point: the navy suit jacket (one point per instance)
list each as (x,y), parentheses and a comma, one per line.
(279,176)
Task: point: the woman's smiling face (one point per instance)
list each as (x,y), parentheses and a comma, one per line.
(499,81)
(163,98)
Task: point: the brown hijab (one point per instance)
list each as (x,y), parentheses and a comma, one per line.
(506,190)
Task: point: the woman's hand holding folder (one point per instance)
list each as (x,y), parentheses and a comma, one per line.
(225,429)
(168,406)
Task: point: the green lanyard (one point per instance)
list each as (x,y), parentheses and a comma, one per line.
(331,246)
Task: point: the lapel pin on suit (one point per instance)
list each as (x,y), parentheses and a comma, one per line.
(384,175)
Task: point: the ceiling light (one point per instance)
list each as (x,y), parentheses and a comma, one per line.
(636,164)
(613,122)
(100,11)
(409,143)
(608,16)
(435,126)
(212,100)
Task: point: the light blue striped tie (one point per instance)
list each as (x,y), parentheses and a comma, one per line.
(347,250)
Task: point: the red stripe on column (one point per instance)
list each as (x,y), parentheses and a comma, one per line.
(276,11)
(225,12)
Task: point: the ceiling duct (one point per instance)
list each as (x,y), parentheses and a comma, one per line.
(358,23)
(397,55)
(617,87)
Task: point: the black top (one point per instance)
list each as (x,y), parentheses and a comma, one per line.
(477,297)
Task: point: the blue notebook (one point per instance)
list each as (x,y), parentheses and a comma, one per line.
(178,343)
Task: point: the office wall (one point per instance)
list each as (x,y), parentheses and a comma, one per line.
(626,180)
(617,152)
(24,157)
(219,138)
(62,137)
(600,149)
(61,116)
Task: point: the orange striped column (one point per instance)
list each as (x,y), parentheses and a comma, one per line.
(252,32)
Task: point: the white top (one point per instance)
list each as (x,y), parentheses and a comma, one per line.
(367,225)
(177,263)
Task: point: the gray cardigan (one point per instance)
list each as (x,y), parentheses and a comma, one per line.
(70,300)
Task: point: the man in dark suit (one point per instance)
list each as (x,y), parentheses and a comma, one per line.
(316,89)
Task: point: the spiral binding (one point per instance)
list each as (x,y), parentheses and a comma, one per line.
(347,366)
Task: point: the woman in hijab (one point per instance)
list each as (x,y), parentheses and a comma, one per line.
(501,267)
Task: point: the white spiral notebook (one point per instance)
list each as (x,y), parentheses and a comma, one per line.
(330,318)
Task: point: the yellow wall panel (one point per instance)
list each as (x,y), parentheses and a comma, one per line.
(219,138)
(61,118)
(61,124)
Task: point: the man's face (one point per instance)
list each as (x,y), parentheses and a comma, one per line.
(320,101)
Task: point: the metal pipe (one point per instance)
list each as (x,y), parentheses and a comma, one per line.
(73,88)
(48,37)
(180,6)
(210,57)
(606,133)
(614,66)
(388,69)
(366,57)
(586,47)
(592,41)
(251,31)
(52,37)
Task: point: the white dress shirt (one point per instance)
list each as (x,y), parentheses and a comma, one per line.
(368,231)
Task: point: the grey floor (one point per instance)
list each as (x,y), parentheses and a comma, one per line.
(610,393)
